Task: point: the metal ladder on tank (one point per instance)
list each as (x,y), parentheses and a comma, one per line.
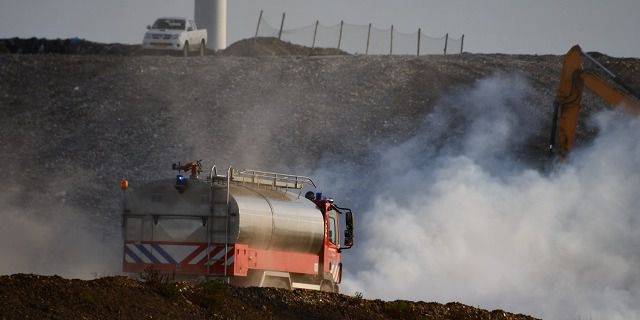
(213,177)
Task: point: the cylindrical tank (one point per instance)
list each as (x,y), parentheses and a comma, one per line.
(259,216)
(276,220)
(212,15)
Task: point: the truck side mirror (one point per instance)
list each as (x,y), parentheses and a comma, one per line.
(348,231)
(148,27)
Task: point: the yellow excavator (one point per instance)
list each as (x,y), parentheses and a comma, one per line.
(573,80)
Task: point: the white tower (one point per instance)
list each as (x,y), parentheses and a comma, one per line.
(212,15)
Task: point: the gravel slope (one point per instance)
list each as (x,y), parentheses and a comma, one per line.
(100,118)
(106,117)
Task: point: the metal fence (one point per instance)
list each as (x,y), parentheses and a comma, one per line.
(361,39)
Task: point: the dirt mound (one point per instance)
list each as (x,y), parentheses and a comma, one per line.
(273,47)
(67,46)
(247,47)
(38,297)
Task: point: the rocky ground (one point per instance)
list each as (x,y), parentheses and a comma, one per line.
(72,126)
(40,297)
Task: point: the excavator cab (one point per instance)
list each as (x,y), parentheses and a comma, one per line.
(573,79)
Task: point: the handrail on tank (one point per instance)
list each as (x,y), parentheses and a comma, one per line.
(213,173)
(258,177)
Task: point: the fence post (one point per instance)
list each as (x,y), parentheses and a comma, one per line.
(462,44)
(258,26)
(281,26)
(446,42)
(315,31)
(340,35)
(419,36)
(391,43)
(368,39)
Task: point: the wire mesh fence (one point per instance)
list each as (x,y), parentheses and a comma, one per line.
(264,29)
(454,44)
(302,36)
(432,45)
(354,38)
(405,43)
(327,36)
(361,39)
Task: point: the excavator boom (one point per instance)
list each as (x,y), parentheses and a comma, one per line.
(573,80)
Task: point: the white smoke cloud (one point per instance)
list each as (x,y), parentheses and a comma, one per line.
(56,245)
(43,234)
(456,216)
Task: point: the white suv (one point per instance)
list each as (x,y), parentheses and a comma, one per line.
(177,34)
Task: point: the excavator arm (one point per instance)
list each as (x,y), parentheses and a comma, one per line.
(567,104)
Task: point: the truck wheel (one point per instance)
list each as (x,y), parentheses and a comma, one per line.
(327,286)
(185,49)
(202,48)
(277,282)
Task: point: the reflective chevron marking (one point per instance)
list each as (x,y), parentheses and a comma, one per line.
(192,254)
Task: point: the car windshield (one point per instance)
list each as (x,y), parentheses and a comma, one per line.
(171,24)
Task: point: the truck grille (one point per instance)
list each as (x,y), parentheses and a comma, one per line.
(161,37)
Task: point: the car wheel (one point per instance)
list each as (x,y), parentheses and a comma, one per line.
(202,48)
(185,49)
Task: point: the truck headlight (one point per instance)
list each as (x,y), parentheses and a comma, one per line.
(147,35)
(175,36)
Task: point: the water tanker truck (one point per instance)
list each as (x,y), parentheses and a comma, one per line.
(248,227)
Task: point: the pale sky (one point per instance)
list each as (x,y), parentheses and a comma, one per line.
(506,26)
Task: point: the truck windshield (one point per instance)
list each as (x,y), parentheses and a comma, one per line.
(171,24)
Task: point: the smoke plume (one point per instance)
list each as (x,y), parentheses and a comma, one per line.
(454,214)
(43,232)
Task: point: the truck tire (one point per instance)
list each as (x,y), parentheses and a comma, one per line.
(202,48)
(277,282)
(327,286)
(185,49)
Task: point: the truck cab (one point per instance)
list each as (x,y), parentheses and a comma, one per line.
(333,244)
